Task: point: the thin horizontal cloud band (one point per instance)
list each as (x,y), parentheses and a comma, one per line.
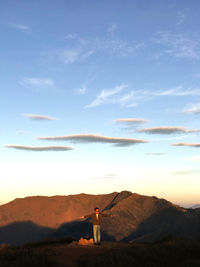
(187,144)
(40,148)
(155,153)
(94,138)
(131,121)
(195,110)
(45,82)
(168,130)
(39,117)
(185,172)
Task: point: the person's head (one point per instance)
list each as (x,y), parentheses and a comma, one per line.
(96,210)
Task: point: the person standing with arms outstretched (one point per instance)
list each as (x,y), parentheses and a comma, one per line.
(96,221)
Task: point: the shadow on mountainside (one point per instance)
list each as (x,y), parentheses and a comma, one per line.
(19,233)
(78,229)
(119,197)
(167,222)
(24,231)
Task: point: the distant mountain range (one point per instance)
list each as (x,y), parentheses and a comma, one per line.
(137,218)
(197,206)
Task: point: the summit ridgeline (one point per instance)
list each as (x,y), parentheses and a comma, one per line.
(137,218)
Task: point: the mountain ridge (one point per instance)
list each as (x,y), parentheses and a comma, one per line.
(137,217)
(197,206)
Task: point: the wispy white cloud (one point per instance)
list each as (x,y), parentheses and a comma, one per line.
(172,92)
(106,96)
(71,36)
(187,144)
(195,109)
(87,54)
(39,148)
(39,117)
(130,99)
(134,97)
(82,90)
(88,47)
(94,138)
(106,176)
(185,172)
(118,47)
(179,45)
(37,82)
(168,130)
(111,175)
(181,17)
(112,29)
(179,91)
(21,132)
(19,26)
(72,55)
(80,48)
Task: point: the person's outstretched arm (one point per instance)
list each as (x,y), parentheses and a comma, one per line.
(86,216)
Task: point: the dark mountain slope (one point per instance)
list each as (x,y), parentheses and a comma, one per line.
(133,211)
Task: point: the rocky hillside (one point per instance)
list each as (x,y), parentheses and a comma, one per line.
(137,218)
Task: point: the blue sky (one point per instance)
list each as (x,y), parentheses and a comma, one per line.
(100,96)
